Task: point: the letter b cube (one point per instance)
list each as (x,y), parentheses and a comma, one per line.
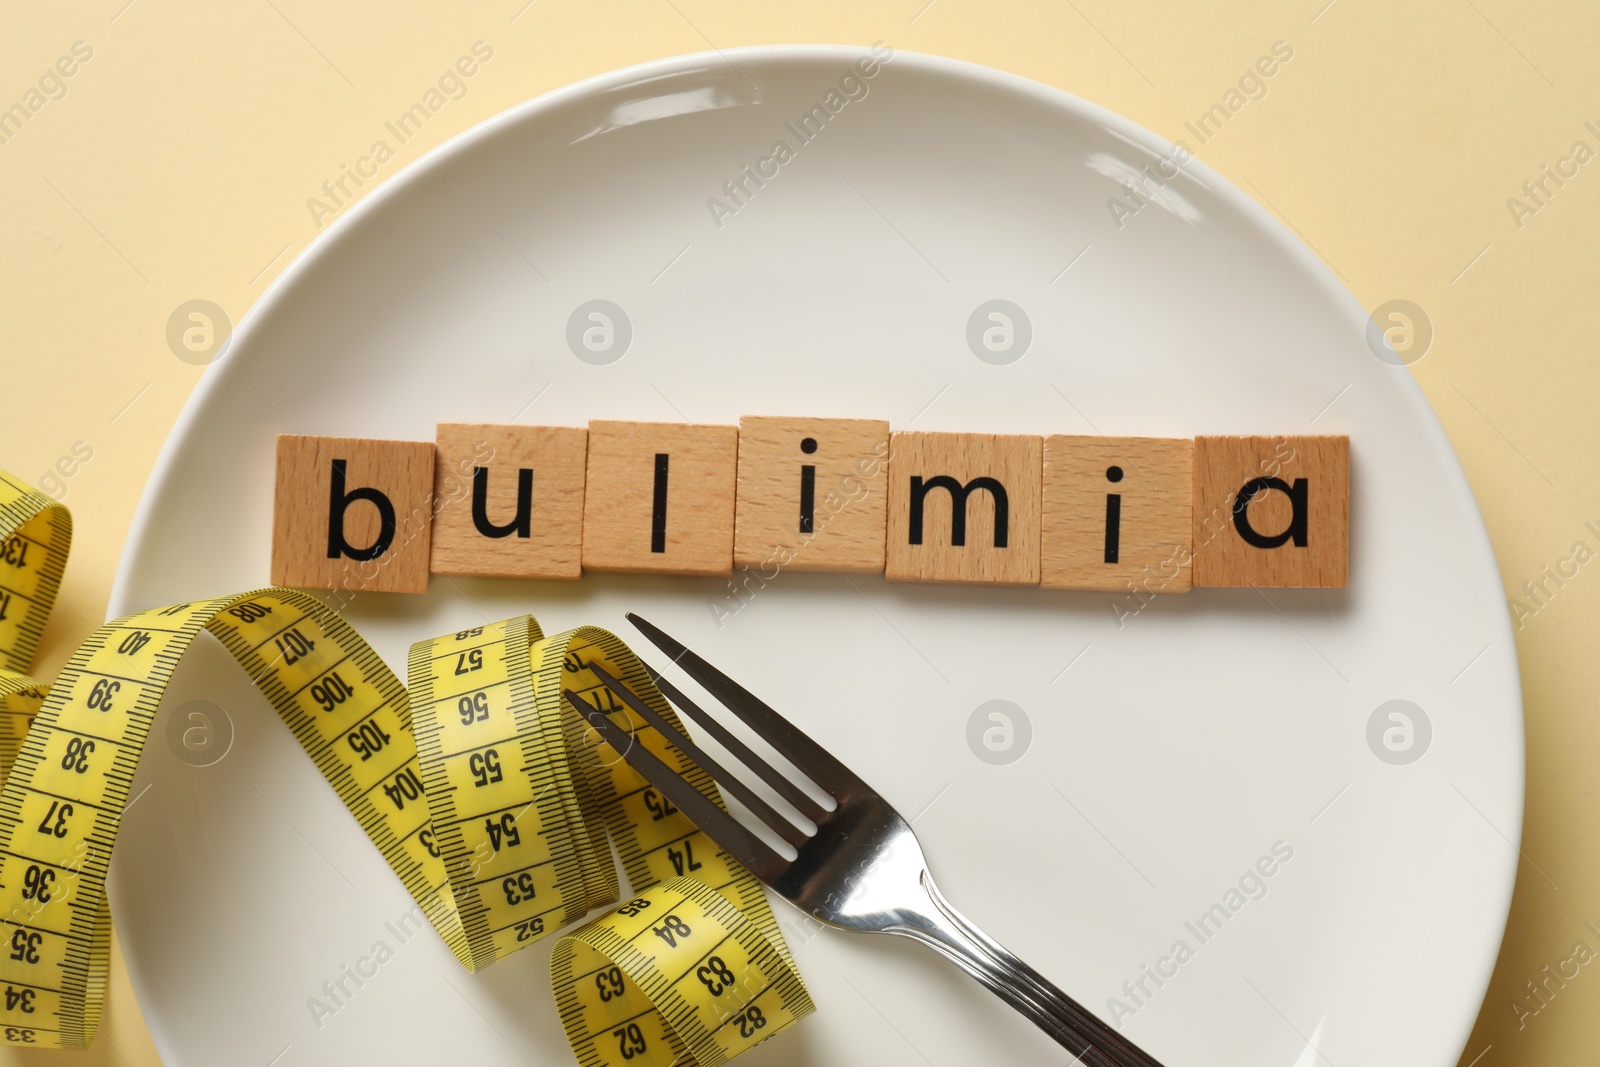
(352,513)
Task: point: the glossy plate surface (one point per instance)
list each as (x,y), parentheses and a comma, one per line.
(1162,754)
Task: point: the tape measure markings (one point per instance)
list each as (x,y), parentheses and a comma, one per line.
(709,941)
(28,517)
(647,838)
(549,799)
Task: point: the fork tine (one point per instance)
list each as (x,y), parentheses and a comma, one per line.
(810,758)
(715,823)
(742,752)
(777,823)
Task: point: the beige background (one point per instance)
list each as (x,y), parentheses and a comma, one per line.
(178,164)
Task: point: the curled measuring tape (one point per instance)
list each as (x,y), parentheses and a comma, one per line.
(494,814)
(35,537)
(523,793)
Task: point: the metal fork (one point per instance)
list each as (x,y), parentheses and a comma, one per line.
(860,869)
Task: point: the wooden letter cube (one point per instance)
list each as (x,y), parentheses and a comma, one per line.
(1116,513)
(1271,511)
(660,498)
(964,507)
(352,513)
(509,501)
(811,494)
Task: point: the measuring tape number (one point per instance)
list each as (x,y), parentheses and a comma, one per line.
(495,813)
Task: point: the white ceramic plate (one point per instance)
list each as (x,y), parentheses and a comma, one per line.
(1167,754)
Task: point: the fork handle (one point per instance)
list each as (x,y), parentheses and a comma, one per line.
(1030,993)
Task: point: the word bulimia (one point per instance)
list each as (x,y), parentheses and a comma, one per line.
(1148,514)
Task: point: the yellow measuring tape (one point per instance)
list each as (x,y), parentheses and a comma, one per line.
(495,814)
